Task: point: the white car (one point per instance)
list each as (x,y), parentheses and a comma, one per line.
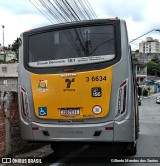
(158,100)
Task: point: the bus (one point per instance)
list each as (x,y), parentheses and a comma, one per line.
(77,84)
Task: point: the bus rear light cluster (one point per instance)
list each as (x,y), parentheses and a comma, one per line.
(24,103)
(109,128)
(35,128)
(121,98)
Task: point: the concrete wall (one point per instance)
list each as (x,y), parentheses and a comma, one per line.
(2,131)
(10,139)
(9,124)
(9,70)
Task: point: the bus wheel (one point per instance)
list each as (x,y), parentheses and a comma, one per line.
(130,149)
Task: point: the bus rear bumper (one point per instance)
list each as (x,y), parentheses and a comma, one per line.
(103,132)
(78,132)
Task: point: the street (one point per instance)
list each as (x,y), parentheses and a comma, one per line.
(149,139)
(148,142)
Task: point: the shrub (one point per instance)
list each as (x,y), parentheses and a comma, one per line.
(145,92)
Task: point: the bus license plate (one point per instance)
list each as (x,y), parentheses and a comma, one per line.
(70,111)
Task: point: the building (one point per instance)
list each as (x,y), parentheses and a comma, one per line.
(8,77)
(150,46)
(145,58)
(141,72)
(148,50)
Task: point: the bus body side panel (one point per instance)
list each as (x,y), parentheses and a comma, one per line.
(26,131)
(124,131)
(124,126)
(24,99)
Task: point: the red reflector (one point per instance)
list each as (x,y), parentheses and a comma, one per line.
(109,128)
(34,128)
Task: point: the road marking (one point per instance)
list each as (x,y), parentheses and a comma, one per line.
(68,157)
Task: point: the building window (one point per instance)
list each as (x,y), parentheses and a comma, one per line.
(4,69)
(5,82)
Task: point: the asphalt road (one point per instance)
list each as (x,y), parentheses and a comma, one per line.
(148,143)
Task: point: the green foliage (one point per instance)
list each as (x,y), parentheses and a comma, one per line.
(15,47)
(156,60)
(153,67)
(145,92)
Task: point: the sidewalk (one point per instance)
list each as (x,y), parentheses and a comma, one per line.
(39,153)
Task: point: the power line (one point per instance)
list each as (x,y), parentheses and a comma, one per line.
(91,9)
(59,11)
(64,10)
(85,9)
(79,11)
(41,11)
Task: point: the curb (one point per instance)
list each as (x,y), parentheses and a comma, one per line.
(37,153)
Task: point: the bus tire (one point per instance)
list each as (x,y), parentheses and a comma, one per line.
(130,149)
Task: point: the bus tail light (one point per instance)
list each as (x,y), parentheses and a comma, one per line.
(121,98)
(35,128)
(24,103)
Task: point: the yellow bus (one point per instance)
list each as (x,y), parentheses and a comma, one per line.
(77,84)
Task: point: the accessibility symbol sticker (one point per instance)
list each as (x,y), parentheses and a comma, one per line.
(42,111)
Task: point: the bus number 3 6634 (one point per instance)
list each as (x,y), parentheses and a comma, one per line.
(96,78)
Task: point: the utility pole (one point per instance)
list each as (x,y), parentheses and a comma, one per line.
(3,35)
(3,43)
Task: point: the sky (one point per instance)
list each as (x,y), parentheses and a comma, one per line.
(141,16)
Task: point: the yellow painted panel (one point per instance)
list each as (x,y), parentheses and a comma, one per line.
(53,92)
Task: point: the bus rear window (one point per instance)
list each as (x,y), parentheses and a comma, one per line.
(76,46)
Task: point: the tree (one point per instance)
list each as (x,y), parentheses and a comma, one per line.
(15,47)
(156,60)
(153,67)
(145,92)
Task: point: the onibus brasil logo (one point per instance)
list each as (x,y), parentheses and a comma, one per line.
(42,86)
